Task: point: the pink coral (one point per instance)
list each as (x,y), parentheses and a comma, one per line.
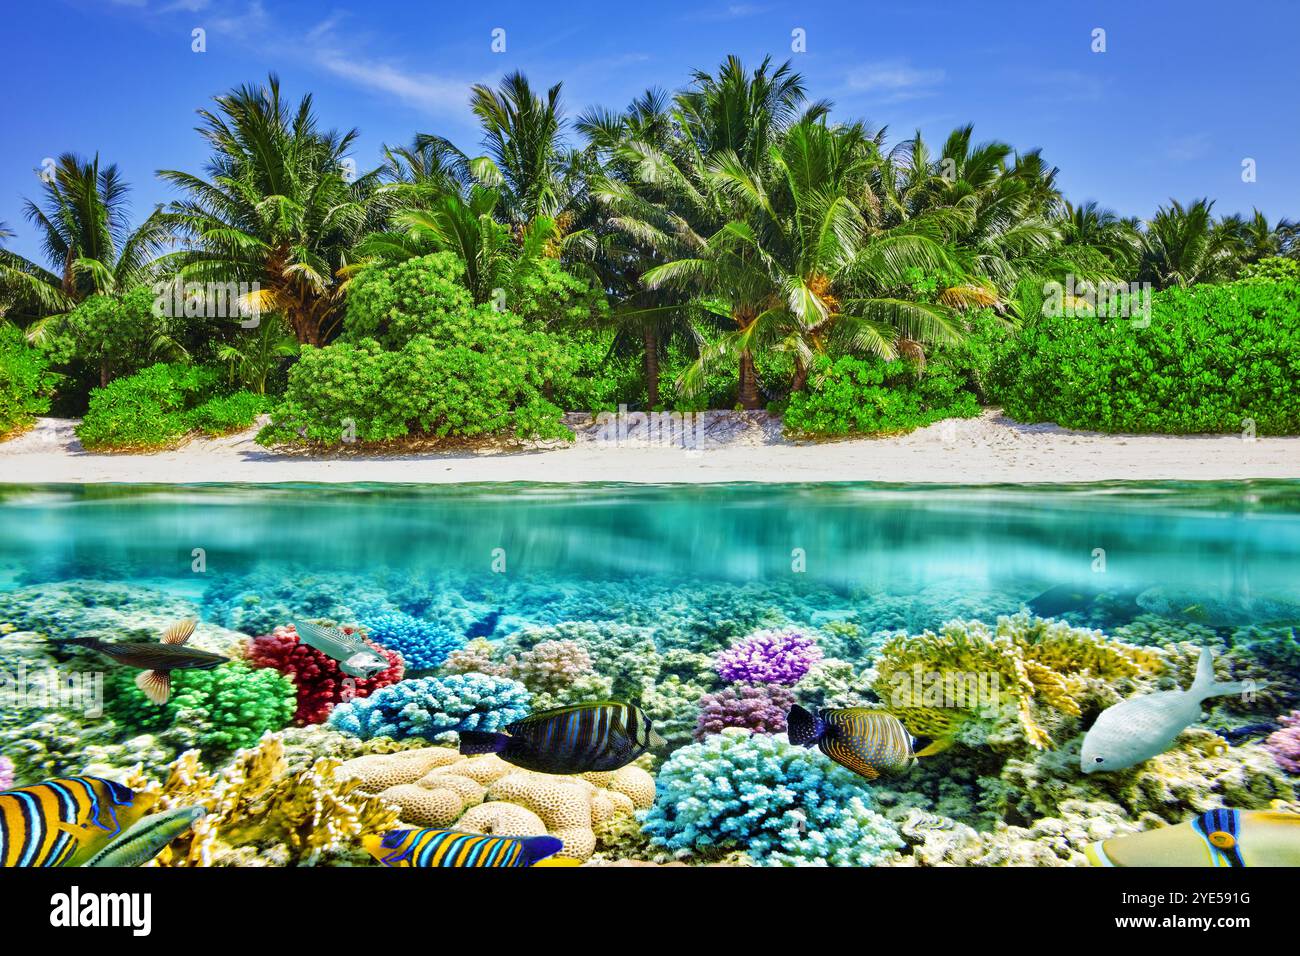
(769,657)
(1284,744)
(550,666)
(6,773)
(320,683)
(761,709)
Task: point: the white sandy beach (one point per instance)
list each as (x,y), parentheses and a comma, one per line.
(989,449)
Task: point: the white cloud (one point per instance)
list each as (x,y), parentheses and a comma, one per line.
(424,90)
(894,81)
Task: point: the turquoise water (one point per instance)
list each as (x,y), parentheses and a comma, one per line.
(494,601)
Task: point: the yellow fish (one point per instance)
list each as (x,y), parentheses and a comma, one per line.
(49,823)
(1215,838)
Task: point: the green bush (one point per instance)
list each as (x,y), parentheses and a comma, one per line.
(26,382)
(1212,357)
(484,374)
(394,303)
(159,406)
(855,396)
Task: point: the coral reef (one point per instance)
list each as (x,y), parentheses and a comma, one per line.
(428,706)
(1284,744)
(6,773)
(769,657)
(320,685)
(760,709)
(781,804)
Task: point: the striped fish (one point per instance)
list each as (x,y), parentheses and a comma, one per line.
(578,739)
(868,742)
(46,824)
(430,847)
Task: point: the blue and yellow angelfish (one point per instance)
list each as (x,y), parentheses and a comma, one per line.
(867,741)
(430,847)
(48,823)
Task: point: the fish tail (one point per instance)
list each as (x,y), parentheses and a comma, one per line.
(804,727)
(476,742)
(539,848)
(76,641)
(1205,686)
(935,746)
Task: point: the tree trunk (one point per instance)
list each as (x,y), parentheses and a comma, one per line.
(103,373)
(749,397)
(800,377)
(651,369)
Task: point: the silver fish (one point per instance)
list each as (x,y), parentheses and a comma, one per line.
(144,841)
(355,657)
(1143,727)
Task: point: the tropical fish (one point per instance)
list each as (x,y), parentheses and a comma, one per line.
(1062,599)
(1235,735)
(156,660)
(1222,609)
(47,823)
(430,847)
(1142,727)
(1215,838)
(869,742)
(146,839)
(579,739)
(485,627)
(356,658)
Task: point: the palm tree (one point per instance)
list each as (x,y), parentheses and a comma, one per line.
(83,223)
(253,357)
(1182,246)
(276,207)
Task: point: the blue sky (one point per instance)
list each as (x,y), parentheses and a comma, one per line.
(1183,93)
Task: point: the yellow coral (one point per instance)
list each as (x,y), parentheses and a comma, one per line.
(1028,663)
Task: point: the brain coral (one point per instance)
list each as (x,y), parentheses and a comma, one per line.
(769,657)
(429,706)
(782,804)
(435,786)
(321,686)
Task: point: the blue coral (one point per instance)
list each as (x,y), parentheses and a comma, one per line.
(428,706)
(783,805)
(424,645)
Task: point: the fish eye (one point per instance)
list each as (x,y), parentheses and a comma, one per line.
(1099,760)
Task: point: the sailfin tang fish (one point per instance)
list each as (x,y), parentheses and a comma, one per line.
(47,824)
(356,658)
(145,840)
(429,848)
(868,742)
(1218,838)
(578,739)
(156,660)
(1137,729)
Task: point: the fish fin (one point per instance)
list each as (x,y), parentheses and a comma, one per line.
(655,739)
(476,742)
(156,685)
(803,727)
(539,848)
(179,632)
(936,746)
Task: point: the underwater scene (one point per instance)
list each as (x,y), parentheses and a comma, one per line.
(738,675)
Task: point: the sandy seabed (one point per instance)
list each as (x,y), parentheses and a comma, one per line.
(731,447)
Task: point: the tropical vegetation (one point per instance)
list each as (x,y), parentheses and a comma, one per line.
(730,244)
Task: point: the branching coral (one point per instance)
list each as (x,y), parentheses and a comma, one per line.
(1025,669)
(217,711)
(760,709)
(1284,744)
(428,706)
(262,814)
(424,645)
(783,805)
(320,685)
(769,657)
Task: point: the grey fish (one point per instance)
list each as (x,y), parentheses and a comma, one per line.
(356,658)
(156,660)
(144,841)
(1062,599)
(1143,727)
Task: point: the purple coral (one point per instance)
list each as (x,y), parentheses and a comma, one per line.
(6,773)
(760,708)
(769,657)
(1284,744)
